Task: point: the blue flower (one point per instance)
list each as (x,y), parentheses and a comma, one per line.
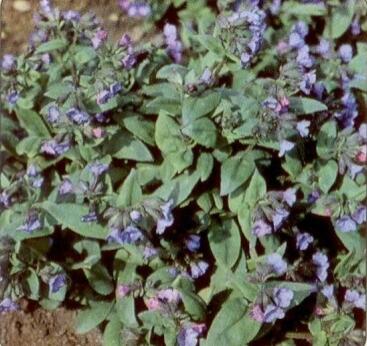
(328,291)
(166,219)
(129,235)
(129,60)
(8,62)
(115,88)
(135,215)
(56,282)
(277,263)
(285,146)
(90,217)
(346,52)
(356,27)
(31,224)
(198,269)
(66,187)
(13,97)
(360,215)
(193,242)
(77,116)
(289,196)
(279,216)
(53,114)
(346,224)
(324,48)
(8,305)
(261,228)
(303,241)
(97,168)
(273,313)
(189,334)
(321,262)
(304,58)
(303,128)
(103,97)
(308,81)
(71,16)
(355,298)
(54,148)
(282,297)
(174,45)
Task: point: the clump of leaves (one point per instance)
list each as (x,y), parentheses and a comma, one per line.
(208,188)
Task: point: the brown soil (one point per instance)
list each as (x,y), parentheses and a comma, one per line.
(43,328)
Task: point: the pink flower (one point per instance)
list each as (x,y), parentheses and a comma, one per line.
(122,291)
(153,303)
(362,154)
(256,313)
(98,132)
(282,47)
(99,37)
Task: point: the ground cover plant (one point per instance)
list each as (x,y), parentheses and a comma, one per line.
(205,190)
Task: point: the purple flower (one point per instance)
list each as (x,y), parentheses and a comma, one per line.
(103,97)
(115,88)
(304,58)
(346,52)
(207,77)
(66,187)
(324,48)
(278,217)
(4,200)
(13,97)
(313,196)
(328,291)
(99,38)
(303,128)
(46,58)
(193,242)
(360,215)
(301,28)
(321,262)
(8,62)
(129,235)
(71,16)
(54,148)
(32,223)
(303,241)
(296,40)
(125,41)
(261,228)
(346,224)
(189,334)
(289,196)
(8,305)
(273,313)
(46,7)
(149,252)
(77,116)
(282,297)
(271,103)
(97,168)
(166,219)
(308,81)
(129,60)
(275,7)
(277,264)
(37,37)
(53,114)
(285,146)
(122,291)
(56,282)
(33,171)
(169,295)
(356,27)
(135,215)
(198,269)
(90,217)
(355,298)
(174,45)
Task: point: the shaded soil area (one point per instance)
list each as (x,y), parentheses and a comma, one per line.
(17,20)
(43,328)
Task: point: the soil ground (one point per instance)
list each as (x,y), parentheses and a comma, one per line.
(36,326)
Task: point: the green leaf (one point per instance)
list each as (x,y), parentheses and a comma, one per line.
(99,279)
(341,18)
(59,90)
(203,131)
(69,216)
(141,128)
(84,54)
(91,317)
(325,140)
(296,8)
(195,107)
(33,123)
(225,242)
(235,171)
(134,150)
(305,105)
(173,73)
(125,308)
(52,45)
(29,146)
(327,175)
(256,189)
(232,325)
(112,333)
(193,304)
(130,192)
(205,165)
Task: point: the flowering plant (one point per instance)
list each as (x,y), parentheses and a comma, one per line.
(207,189)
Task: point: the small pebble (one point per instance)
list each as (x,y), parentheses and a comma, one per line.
(113,17)
(21,5)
